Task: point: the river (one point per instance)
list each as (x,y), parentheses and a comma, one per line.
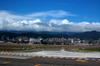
(57,53)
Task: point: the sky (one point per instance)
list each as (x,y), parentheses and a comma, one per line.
(50,15)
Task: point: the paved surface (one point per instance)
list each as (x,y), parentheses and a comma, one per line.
(40,61)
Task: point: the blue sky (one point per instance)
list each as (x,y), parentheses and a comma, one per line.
(85,10)
(75,11)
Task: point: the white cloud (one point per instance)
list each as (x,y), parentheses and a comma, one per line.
(60,22)
(35,21)
(11,21)
(52,13)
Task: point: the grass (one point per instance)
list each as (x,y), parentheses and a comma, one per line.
(90,49)
(38,47)
(81,60)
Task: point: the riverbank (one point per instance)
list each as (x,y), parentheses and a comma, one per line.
(46,61)
(39,47)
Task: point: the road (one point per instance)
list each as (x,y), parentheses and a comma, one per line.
(40,61)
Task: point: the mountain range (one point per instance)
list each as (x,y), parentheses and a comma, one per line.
(89,35)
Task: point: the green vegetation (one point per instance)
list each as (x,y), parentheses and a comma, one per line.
(38,47)
(27,47)
(89,49)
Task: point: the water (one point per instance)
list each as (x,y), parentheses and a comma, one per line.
(63,53)
(57,53)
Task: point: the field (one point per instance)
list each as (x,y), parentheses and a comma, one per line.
(38,47)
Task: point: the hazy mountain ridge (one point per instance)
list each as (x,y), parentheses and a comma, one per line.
(45,34)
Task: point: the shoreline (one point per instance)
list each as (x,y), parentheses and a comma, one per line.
(55,54)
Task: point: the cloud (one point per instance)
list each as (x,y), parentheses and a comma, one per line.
(9,21)
(52,13)
(60,22)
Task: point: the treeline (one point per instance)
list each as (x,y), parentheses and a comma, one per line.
(92,35)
